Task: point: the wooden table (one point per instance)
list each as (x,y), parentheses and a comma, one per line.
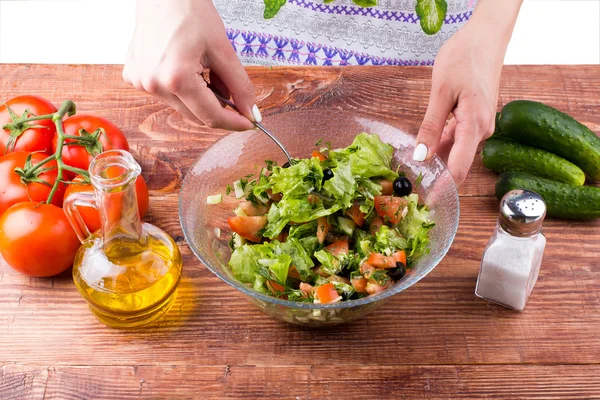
(435,340)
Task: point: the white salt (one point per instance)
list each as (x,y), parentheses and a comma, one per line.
(509,269)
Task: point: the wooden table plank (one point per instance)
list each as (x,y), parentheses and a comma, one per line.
(436,340)
(299,382)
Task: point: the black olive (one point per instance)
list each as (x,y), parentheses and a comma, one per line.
(402,186)
(286,165)
(327,174)
(398,272)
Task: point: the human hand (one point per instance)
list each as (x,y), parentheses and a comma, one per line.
(174,41)
(466,80)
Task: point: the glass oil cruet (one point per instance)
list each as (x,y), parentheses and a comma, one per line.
(129,271)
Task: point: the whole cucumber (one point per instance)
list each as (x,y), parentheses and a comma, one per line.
(544,127)
(562,200)
(501,155)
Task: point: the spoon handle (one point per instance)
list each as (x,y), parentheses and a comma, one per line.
(257,124)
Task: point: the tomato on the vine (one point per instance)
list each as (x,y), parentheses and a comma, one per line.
(90,215)
(29,136)
(37,239)
(16,188)
(87,126)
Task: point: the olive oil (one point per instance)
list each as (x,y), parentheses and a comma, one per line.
(129,271)
(129,283)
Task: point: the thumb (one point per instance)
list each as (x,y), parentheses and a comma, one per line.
(225,64)
(441,103)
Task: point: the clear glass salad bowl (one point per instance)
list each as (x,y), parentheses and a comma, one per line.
(242,153)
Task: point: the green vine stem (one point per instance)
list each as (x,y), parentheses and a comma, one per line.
(66,108)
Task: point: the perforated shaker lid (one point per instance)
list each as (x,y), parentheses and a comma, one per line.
(522,212)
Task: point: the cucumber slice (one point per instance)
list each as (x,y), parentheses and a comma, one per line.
(215,199)
(346,225)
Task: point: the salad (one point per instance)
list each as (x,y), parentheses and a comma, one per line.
(338,226)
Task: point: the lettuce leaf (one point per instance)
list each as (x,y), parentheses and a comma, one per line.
(342,187)
(369,157)
(387,241)
(416,226)
(245,267)
(298,179)
(300,257)
(294,209)
(304,230)
(329,263)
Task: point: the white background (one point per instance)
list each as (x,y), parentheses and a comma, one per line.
(98,31)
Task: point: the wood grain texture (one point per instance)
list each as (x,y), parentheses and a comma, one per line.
(299,382)
(435,340)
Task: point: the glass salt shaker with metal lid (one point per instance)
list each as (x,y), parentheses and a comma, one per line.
(511,261)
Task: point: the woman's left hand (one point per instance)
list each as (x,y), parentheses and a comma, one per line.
(466,80)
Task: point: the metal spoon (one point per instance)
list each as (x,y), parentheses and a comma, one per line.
(257,124)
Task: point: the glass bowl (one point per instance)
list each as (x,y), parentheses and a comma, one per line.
(242,153)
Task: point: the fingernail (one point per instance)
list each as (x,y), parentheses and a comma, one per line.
(420,153)
(256,113)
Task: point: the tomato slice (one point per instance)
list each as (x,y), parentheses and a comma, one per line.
(360,284)
(366,268)
(400,256)
(306,288)
(387,187)
(381,261)
(253,210)
(293,272)
(319,155)
(375,224)
(390,208)
(326,293)
(248,227)
(339,247)
(275,197)
(275,287)
(322,228)
(373,288)
(282,237)
(357,216)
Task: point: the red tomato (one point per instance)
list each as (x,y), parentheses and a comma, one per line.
(248,227)
(13,191)
(33,139)
(37,240)
(313,199)
(375,224)
(390,208)
(322,228)
(357,216)
(387,187)
(90,215)
(381,261)
(360,284)
(79,156)
(339,247)
(275,287)
(306,288)
(374,288)
(319,155)
(326,293)
(293,273)
(252,210)
(400,256)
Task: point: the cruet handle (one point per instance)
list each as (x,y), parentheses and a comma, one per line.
(74,216)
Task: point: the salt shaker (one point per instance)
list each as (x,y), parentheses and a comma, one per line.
(511,261)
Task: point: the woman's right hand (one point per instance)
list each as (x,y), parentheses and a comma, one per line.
(174,41)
